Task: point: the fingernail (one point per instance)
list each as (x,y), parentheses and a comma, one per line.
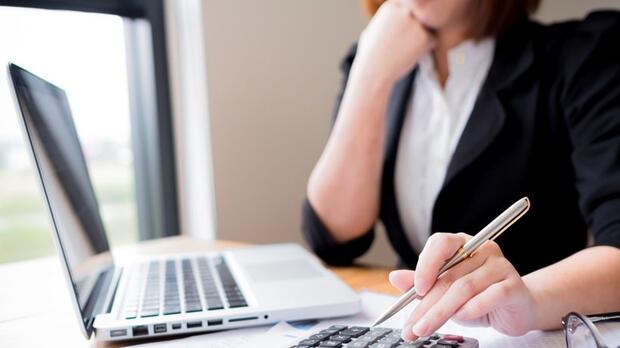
(391,276)
(407,333)
(421,327)
(420,287)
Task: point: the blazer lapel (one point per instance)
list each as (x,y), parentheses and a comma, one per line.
(397,110)
(396,113)
(485,123)
(513,57)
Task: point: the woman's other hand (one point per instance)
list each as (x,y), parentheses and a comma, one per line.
(484,290)
(391,44)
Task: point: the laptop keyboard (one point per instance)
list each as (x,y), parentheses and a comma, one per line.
(172,303)
(207,284)
(231,289)
(150,302)
(192,298)
(209,288)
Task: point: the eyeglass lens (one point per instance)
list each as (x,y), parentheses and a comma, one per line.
(578,335)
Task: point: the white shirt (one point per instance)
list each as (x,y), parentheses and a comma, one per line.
(431,130)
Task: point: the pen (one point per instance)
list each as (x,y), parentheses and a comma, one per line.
(489,232)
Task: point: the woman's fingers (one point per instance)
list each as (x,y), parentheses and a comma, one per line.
(486,301)
(459,293)
(439,248)
(402,279)
(440,287)
(384,33)
(443,285)
(484,289)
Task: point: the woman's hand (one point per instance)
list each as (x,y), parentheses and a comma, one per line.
(391,44)
(484,290)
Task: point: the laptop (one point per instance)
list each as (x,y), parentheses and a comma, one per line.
(162,295)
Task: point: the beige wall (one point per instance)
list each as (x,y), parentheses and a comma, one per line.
(272,69)
(554,10)
(272,77)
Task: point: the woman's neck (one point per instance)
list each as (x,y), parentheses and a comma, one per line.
(446,39)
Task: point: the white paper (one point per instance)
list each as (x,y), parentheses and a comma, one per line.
(610,332)
(282,334)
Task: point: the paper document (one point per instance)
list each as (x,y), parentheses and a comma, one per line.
(286,334)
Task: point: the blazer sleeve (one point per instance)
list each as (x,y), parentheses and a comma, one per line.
(314,230)
(591,99)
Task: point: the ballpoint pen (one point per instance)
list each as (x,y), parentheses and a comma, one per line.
(489,232)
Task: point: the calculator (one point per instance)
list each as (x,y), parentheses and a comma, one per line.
(379,337)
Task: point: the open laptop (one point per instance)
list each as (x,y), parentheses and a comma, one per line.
(163,295)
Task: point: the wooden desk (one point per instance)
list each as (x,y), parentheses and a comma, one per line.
(35,307)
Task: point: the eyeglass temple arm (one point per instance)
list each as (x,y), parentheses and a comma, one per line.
(614,316)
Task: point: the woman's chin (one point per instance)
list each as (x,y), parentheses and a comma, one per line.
(430,25)
(429,21)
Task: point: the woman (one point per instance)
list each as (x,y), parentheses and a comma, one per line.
(450,111)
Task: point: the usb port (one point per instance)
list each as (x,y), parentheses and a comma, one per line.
(118,333)
(214,322)
(140,330)
(159,328)
(194,324)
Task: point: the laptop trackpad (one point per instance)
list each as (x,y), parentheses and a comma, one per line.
(281,270)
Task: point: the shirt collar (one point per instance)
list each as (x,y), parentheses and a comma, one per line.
(466,56)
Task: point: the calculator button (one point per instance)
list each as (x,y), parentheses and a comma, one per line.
(390,339)
(367,337)
(448,343)
(340,338)
(380,330)
(416,344)
(383,345)
(354,331)
(457,338)
(319,336)
(331,331)
(308,343)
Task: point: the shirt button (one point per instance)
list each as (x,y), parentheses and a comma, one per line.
(459,58)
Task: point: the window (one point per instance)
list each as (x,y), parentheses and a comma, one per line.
(123,122)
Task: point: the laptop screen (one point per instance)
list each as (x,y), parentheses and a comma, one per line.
(67,188)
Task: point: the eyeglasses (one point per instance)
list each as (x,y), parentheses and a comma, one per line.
(580,332)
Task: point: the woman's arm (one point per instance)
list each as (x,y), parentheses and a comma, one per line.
(587,282)
(344,186)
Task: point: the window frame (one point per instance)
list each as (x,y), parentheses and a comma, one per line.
(153,146)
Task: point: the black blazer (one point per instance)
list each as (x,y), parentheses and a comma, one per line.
(546,125)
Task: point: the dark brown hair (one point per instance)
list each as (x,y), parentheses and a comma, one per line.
(491,16)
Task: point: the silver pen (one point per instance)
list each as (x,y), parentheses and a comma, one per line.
(489,232)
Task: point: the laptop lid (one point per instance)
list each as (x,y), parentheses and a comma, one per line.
(61,167)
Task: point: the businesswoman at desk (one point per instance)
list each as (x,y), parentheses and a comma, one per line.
(451,110)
